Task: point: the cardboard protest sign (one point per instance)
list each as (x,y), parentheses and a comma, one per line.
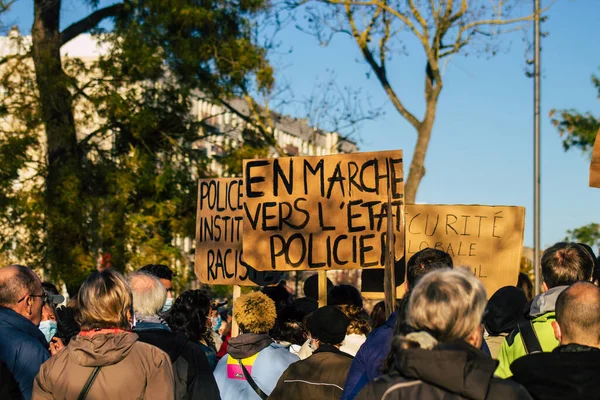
(486,239)
(595,165)
(219,236)
(309,213)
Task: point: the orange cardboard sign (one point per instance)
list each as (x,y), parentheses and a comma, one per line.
(486,239)
(595,164)
(219,230)
(323,212)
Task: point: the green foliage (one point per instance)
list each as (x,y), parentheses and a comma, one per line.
(138,159)
(578,130)
(588,234)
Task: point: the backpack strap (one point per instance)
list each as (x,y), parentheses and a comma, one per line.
(253,384)
(88,384)
(528,336)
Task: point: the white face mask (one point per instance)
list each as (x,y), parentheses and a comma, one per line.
(49,329)
(168,305)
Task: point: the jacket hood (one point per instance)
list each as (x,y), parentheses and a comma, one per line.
(101,349)
(247,345)
(456,367)
(545,302)
(504,310)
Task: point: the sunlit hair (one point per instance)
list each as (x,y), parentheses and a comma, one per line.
(449,304)
(105,301)
(359,320)
(149,294)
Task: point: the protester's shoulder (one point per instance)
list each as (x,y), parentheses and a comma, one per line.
(275,350)
(151,352)
(506,389)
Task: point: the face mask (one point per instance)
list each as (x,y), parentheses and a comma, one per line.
(49,329)
(216,323)
(168,305)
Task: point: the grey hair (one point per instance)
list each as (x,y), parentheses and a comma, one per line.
(149,294)
(13,288)
(447,303)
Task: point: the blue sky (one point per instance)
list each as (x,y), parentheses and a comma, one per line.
(481,150)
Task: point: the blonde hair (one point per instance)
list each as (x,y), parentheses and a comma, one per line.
(447,303)
(254,312)
(359,319)
(104,301)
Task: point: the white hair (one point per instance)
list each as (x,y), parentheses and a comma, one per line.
(149,294)
(449,303)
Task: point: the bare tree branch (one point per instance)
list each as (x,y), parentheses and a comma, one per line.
(90,22)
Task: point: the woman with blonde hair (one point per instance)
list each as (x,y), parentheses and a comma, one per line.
(106,360)
(441,358)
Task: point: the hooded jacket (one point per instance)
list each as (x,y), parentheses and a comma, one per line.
(23,348)
(193,374)
(130,370)
(541,313)
(320,376)
(568,372)
(265,361)
(369,360)
(454,370)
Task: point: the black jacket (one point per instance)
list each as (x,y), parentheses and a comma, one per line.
(193,375)
(320,376)
(568,372)
(449,371)
(9,388)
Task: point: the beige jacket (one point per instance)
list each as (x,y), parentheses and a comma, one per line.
(130,370)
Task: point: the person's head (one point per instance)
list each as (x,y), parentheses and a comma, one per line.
(104,301)
(254,313)
(377,317)
(504,310)
(188,314)
(524,283)
(448,304)
(596,273)
(327,325)
(21,291)
(359,320)
(164,274)
(288,331)
(280,296)
(425,261)
(311,286)
(578,315)
(566,263)
(149,294)
(345,295)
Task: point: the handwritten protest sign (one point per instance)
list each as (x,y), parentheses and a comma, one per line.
(595,165)
(486,239)
(309,213)
(219,236)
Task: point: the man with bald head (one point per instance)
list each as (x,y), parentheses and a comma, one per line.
(572,369)
(23,346)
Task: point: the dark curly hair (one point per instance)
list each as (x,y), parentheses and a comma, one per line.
(188,315)
(359,320)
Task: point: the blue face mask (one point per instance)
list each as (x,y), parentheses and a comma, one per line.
(168,305)
(49,329)
(216,322)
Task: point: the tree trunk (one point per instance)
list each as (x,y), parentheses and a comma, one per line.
(65,212)
(417,165)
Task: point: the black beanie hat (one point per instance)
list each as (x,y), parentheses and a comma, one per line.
(328,324)
(504,310)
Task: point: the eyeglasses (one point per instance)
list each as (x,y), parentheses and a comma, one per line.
(43,296)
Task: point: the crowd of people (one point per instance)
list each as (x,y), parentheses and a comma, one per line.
(128,337)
